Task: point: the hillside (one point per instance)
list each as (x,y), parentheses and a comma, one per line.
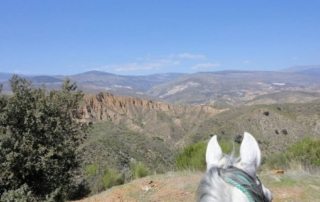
(127,129)
(275,126)
(292,186)
(180,125)
(167,122)
(285,97)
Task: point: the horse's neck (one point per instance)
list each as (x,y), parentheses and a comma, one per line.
(238,196)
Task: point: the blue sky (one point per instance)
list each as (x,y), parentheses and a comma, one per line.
(136,37)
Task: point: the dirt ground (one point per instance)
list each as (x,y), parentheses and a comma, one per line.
(181,186)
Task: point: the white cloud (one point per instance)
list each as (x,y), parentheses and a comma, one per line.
(205,66)
(144,65)
(131,67)
(191,56)
(149,64)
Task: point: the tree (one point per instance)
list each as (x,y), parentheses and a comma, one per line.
(39,137)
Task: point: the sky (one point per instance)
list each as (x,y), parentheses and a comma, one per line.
(140,37)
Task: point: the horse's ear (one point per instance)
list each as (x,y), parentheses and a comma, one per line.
(250,154)
(213,153)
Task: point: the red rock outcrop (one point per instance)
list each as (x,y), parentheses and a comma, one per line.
(156,119)
(106,106)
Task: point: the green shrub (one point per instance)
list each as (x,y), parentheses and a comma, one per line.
(23,194)
(91,169)
(305,152)
(112,178)
(193,156)
(277,161)
(139,170)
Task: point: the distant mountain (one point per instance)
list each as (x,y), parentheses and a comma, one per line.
(232,87)
(5,76)
(222,88)
(312,70)
(95,81)
(285,97)
(45,79)
(300,68)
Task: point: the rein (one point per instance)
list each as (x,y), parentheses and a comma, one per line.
(244,182)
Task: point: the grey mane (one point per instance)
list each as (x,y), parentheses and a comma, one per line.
(213,181)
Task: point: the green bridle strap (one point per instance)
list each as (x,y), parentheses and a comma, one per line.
(241,188)
(247,184)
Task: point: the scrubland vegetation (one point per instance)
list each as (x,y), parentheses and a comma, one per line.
(43,147)
(48,154)
(304,153)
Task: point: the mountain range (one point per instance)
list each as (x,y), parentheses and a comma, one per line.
(219,88)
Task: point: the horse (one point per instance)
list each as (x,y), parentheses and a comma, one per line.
(230,179)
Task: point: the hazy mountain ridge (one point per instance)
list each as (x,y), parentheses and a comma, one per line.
(285,97)
(233,88)
(222,88)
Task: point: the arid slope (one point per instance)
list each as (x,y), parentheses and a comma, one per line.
(174,187)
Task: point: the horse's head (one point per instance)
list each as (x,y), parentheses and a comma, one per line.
(233,179)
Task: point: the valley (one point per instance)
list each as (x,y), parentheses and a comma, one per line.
(146,122)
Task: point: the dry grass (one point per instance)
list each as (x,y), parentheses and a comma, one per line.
(181,186)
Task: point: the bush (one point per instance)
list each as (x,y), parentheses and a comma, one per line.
(112,178)
(305,152)
(40,137)
(78,190)
(91,169)
(193,156)
(22,194)
(276,161)
(139,170)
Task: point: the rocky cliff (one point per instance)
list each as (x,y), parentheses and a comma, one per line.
(157,119)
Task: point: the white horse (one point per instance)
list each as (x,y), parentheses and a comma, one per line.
(230,179)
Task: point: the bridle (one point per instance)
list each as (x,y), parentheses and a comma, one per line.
(250,186)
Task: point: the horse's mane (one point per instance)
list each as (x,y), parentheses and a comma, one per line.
(212,181)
